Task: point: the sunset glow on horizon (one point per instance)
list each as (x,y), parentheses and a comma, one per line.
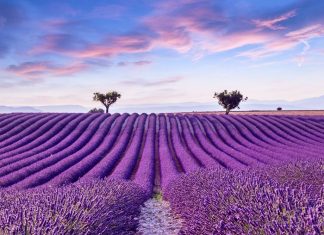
(155,52)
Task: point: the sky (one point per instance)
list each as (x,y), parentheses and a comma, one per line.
(157,52)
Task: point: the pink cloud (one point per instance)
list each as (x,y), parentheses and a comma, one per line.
(70,69)
(44,68)
(161,30)
(199,28)
(232,41)
(58,43)
(286,42)
(29,68)
(311,31)
(115,46)
(176,31)
(176,39)
(186,26)
(272,23)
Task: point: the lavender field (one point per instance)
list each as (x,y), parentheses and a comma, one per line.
(58,149)
(188,117)
(40,152)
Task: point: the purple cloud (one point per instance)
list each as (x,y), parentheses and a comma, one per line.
(36,69)
(273,23)
(286,42)
(198,28)
(60,43)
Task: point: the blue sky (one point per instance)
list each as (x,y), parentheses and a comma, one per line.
(155,52)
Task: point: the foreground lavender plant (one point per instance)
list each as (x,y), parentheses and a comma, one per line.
(271,201)
(96,207)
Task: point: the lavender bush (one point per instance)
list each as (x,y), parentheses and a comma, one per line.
(275,200)
(96,207)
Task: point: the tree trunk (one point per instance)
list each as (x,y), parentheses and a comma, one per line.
(107,109)
(227,111)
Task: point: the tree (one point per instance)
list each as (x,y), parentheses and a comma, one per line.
(229,100)
(106,99)
(279,109)
(95,110)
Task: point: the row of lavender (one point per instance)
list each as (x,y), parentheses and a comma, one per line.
(95,207)
(58,149)
(271,200)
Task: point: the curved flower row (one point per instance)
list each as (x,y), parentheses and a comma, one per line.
(58,149)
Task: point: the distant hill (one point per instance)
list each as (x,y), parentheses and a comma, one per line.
(25,109)
(63,108)
(315,103)
(310,103)
(49,109)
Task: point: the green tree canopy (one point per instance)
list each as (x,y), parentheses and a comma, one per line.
(106,99)
(229,100)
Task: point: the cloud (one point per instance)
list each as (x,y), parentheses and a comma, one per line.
(172,36)
(236,40)
(62,24)
(196,28)
(177,24)
(273,23)
(70,45)
(136,63)
(201,28)
(39,69)
(286,42)
(58,43)
(307,32)
(152,32)
(207,27)
(146,83)
(301,58)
